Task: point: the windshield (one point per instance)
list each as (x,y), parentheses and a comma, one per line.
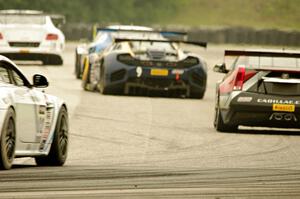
(22,19)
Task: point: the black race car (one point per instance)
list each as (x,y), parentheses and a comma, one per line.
(262,88)
(143,65)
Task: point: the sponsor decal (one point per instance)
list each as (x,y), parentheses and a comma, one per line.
(278,101)
(177,71)
(244,99)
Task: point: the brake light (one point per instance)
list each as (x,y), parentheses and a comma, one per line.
(52,36)
(1,36)
(239,79)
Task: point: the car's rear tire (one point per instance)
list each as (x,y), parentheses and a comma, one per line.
(77,66)
(8,140)
(53,60)
(59,147)
(197,95)
(220,125)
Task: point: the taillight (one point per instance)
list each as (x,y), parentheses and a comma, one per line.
(236,80)
(52,36)
(1,36)
(239,79)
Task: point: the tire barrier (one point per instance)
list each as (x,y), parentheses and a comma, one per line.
(222,35)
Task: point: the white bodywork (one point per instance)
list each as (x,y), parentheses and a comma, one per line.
(36,114)
(31,36)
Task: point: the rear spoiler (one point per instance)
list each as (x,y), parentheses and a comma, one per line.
(261,53)
(197,43)
(145,31)
(164,33)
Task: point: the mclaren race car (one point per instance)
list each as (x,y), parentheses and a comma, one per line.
(33,124)
(31,35)
(261,89)
(139,66)
(85,53)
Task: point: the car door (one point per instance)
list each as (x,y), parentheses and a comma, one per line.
(27,105)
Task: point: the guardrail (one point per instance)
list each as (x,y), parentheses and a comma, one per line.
(224,35)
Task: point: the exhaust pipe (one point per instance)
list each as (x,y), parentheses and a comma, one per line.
(283,116)
(288,117)
(278,116)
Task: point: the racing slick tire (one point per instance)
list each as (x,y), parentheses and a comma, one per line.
(77,66)
(52,60)
(8,140)
(197,95)
(220,125)
(101,87)
(59,147)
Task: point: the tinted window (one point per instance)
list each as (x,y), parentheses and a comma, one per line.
(17,79)
(4,75)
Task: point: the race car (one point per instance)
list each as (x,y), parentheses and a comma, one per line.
(102,38)
(33,124)
(260,89)
(144,64)
(30,35)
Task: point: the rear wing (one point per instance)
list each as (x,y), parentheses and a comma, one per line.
(261,53)
(197,43)
(167,34)
(57,19)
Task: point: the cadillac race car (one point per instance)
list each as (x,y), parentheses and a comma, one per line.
(139,65)
(261,88)
(33,124)
(84,53)
(30,35)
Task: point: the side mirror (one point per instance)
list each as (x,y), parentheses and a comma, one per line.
(220,68)
(40,81)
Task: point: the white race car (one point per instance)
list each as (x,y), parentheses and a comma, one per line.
(30,35)
(33,124)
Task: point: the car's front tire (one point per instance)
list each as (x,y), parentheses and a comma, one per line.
(8,140)
(59,147)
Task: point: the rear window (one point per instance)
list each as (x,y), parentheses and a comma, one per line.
(22,19)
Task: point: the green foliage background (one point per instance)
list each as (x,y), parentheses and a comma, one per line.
(281,14)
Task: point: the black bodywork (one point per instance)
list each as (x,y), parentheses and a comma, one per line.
(264,96)
(123,73)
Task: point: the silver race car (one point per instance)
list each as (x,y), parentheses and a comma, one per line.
(33,124)
(262,88)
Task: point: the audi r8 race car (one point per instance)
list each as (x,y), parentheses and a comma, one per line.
(84,53)
(145,64)
(262,88)
(33,124)
(30,35)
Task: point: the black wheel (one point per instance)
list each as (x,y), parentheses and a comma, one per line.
(220,125)
(101,87)
(77,66)
(8,140)
(53,60)
(59,147)
(197,95)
